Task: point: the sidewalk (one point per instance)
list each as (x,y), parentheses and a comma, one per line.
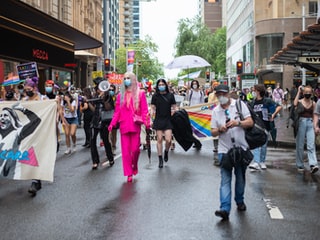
(284,134)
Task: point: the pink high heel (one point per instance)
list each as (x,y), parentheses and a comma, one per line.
(129,179)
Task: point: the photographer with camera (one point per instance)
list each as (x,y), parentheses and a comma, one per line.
(226,123)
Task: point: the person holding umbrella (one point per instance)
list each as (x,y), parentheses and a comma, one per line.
(267,110)
(163,106)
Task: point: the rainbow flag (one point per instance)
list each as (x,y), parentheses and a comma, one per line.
(200,119)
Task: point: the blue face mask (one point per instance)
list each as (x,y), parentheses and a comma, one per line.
(48,89)
(127,82)
(162,88)
(111,93)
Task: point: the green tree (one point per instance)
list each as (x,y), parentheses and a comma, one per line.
(195,38)
(149,66)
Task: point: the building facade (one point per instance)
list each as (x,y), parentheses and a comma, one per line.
(256,29)
(46,29)
(212,14)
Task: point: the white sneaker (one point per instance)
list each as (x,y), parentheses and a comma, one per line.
(68,151)
(263,166)
(74,148)
(254,166)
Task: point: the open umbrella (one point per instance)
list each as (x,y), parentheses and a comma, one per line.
(13,80)
(187,61)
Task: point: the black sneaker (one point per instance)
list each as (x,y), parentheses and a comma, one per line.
(241,207)
(197,146)
(35,187)
(314,169)
(223,214)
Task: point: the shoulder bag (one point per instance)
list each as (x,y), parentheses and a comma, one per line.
(106,115)
(257,135)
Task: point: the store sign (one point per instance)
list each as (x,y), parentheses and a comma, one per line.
(310,59)
(40,54)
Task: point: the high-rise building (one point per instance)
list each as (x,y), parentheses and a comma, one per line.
(211,13)
(256,29)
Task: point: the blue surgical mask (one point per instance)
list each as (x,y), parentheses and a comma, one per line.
(127,82)
(162,88)
(48,89)
(111,93)
(21,91)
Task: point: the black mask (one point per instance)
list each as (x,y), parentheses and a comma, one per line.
(307,96)
(29,93)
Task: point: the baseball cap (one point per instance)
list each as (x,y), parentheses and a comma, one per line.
(222,88)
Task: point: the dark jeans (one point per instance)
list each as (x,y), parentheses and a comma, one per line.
(87,130)
(104,133)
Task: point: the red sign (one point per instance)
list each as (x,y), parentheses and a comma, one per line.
(115,78)
(70,65)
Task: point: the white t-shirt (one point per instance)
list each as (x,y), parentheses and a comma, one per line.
(66,111)
(218,119)
(195,97)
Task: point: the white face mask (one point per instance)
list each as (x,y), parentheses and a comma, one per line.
(223,100)
(254,94)
(194,86)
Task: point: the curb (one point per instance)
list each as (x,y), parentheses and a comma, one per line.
(281,144)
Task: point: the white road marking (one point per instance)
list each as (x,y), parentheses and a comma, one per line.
(274,211)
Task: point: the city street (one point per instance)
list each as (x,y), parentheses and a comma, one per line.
(176,202)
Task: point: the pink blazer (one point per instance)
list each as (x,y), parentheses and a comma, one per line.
(124,115)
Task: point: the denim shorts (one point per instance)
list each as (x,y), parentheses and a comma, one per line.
(72,120)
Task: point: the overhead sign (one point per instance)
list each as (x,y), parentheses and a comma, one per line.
(310,59)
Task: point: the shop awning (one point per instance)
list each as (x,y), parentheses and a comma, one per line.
(303,50)
(84,53)
(18,16)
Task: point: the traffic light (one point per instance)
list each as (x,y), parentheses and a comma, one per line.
(139,64)
(208,76)
(239,67)
(107,64)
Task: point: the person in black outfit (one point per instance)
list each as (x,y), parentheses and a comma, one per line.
(51,94)
(163,105)
(87,116)
(101,102)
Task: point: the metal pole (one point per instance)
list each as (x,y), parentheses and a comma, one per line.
(318,13)
(137,69)
(303,29)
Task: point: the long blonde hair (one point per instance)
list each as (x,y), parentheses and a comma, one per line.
(134,91)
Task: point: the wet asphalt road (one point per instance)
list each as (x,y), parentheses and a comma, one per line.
(176,202)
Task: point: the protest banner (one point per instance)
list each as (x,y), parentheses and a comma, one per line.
(200,119)
(28,140)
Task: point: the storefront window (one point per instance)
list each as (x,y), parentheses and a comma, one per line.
(268,45)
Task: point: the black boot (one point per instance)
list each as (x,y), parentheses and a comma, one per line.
(166,158)
(160,162)
(35,187)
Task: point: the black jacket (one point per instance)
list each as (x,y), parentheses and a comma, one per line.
(182,130)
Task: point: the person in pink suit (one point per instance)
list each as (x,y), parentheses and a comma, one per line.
(131,104)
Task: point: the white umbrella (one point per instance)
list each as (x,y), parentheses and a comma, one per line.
(187,61)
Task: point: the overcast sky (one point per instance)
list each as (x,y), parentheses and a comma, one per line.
(159,19)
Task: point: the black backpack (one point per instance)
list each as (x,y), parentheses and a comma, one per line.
(256,136)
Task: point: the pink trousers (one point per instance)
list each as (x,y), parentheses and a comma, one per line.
(130,148)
